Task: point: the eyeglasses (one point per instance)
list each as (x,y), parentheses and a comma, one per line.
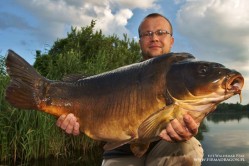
(158,33)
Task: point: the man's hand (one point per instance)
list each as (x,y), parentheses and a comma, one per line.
(177,132)
(69,124)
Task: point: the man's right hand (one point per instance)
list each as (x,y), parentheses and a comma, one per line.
(177,132)
(69,124)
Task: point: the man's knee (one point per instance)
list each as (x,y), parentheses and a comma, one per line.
(184,153)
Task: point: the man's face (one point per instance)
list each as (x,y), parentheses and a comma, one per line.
(155,45)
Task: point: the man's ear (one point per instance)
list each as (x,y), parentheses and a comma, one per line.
(172,42)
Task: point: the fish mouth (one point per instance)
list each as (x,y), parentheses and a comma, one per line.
(234,84)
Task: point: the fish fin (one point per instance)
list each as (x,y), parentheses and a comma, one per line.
(139,148)
(22,89)
(73,77)
(113,145)
(154,124)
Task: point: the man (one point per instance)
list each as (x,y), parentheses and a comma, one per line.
(156,38)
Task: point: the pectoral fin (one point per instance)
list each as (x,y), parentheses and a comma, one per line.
(153,125)
(139,149)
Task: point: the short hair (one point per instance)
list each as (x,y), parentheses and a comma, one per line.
(153,15)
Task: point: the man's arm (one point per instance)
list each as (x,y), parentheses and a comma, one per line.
(174,132)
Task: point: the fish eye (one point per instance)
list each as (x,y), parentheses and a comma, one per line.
(203,69)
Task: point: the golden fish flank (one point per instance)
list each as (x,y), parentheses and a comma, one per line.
(132,104)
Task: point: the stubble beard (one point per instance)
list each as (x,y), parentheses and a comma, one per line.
(148,55)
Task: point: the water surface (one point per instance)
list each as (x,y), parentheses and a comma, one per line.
(226,142)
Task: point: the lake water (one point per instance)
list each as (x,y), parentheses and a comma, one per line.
(226,142)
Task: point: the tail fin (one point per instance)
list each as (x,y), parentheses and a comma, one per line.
(25,83)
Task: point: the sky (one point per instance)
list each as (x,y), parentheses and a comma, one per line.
(212,30)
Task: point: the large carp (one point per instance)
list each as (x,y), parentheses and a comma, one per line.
(131,104)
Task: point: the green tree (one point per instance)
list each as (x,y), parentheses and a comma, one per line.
(87,52)
(2,66)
